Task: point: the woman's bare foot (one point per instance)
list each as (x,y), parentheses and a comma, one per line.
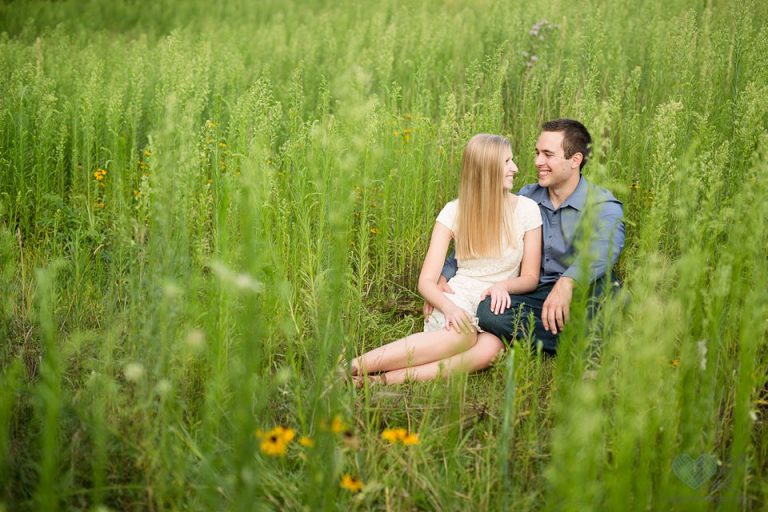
(378,379)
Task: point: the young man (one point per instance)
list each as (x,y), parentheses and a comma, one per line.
(564,197)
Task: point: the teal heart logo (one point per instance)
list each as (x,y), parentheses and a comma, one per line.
(694,473)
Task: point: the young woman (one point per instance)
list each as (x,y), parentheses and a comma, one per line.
(497,237)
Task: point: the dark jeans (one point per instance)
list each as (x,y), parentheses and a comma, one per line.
(513,323)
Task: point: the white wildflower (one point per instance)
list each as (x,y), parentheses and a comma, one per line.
(133,372)
(702,347)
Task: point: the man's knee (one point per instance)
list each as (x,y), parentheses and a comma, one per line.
(501,325)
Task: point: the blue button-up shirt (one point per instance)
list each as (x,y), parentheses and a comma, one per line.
(584,251)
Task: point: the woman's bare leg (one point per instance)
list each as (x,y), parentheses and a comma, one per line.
(478,356)
(413,350)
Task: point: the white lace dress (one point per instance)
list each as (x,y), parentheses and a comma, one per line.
(477,274)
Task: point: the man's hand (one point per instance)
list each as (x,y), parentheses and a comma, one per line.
(555,312)
(442,283)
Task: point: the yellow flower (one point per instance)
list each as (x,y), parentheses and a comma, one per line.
(374,230)
(147,153)
(674,363)
(222,144)
(100,205)
(306,442)
(275,442)
(100,174)
(337,425)
(393,435)
(351,483)
(411,439)
(389,435)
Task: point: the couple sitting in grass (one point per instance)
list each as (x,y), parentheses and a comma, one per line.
(514,255)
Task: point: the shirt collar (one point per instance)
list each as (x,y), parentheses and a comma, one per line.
(577,200)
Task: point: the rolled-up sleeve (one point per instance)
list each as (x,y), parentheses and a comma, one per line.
(606,243)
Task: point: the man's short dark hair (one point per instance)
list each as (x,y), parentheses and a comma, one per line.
(576,138)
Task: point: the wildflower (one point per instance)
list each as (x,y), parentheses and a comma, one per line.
(350,439)
(411,439)
(407,135)
(100,205)
(147,153)
(133,372)
(635,185)
(337,425)
(674,363)
(394,435)
(136,193)
(351,483)
(275,442)
(210,124)
(100,174)
(374,230)
(222,144)
(195,339)
(306,442)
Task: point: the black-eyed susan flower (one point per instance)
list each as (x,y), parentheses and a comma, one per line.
(350,439)
(306,442)
(410,439)
(275,442)
(393,435)
(351,483)
(337,425)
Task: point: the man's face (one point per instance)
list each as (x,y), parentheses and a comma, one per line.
(552,166)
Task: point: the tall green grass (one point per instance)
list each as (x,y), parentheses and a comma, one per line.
(273,171)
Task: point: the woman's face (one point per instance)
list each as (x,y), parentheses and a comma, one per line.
(509,168)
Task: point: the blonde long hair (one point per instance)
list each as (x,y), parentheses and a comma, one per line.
(484,222)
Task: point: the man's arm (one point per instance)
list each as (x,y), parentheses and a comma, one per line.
(450,267)
(606,243)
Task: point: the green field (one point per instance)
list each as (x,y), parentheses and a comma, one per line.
(204,206)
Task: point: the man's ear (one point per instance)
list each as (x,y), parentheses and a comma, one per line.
(576,160)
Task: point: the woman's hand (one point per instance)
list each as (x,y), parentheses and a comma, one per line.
(500,299)
(458,319)
(442,285)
